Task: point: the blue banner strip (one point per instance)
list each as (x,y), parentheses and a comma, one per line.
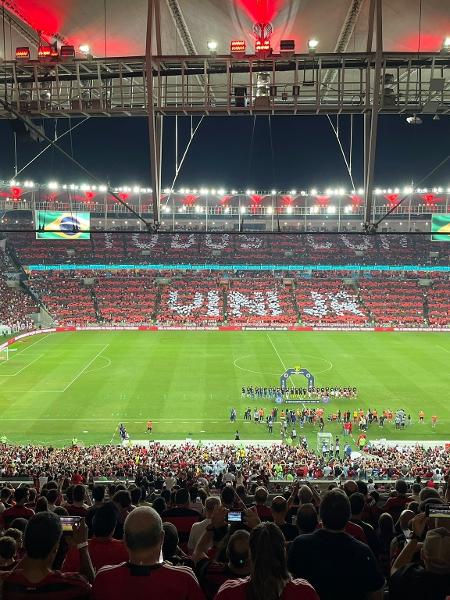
(206,267)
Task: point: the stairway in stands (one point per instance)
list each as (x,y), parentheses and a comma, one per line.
(426,309)
(295,303)
(365,308)
(96,305)
(157,302)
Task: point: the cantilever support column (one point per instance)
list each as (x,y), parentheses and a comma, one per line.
(370,134)
(154,122)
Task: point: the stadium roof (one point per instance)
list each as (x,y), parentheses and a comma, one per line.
(339,25)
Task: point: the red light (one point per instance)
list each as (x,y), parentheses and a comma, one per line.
(287,200)
(44,51)
(89,196)
(16,192)
(23,53)
(392,198)
(190,199)
(238,47)
(124,196)
(356,200)
(263,48)
(323,200)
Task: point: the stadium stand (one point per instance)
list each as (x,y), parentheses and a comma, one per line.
(223,248)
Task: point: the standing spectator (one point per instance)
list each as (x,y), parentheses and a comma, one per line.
(34,576)
(430,578)
(328,551)
(269,578)
(198,529)
(18,510)
(264,512)
(98,496)
(307,518)
(357,505)
(78,508)
(103,548)
(279,510)
(8,551)
(144,575)
(398,501)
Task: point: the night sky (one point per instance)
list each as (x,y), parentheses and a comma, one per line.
(305,152)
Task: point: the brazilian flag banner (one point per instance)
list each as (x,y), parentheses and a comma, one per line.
(440,228)
(62,225)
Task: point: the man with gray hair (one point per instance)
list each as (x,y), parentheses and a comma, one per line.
(145,575)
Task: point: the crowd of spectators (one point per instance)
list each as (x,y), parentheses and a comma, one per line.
(200,523)
(154,464)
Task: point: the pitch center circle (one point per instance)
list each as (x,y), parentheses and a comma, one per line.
(241,359)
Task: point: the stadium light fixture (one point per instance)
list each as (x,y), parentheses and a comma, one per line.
(102,188)
(243,209)
(289,210)
(446,44)
(273,192)
(312,45)
(167,190)
(226,210)
(23,53)
(248,192)
(221,192)
(212,46)
(377,191)
(313,192)
(53,185)
(270,210)
(84,48)
(238,48)
(328,191)
(213,191)
(360,191)
(293,192)
(136,189)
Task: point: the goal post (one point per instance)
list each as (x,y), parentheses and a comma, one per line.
(324,438)
(5,353)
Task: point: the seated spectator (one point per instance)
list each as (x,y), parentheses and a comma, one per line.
(198,529)
(328,551)
(279,510)
(307,518)
(8,551)
(269,577)
(103,548)
(78,508)
(264,512)
(429,577)
(144,575)
(34,576)
(21,495)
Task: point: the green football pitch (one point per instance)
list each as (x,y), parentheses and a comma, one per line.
(83,384)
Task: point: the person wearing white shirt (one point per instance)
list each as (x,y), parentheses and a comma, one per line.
(198,529)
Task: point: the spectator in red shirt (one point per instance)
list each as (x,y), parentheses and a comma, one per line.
(34,576)
(78,508)
(144,576)
(19,509)
(264,512)
(269,578)
(397,503)
(103,548)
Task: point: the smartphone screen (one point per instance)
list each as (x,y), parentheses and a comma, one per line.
(68,522)
(438,511)
(234,517)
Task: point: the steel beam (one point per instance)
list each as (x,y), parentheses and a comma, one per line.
(154,142)
(372,145)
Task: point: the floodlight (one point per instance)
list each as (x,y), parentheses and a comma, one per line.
(414,120)
(293,192)
(446,44)
(243,209)
(212,45)
(312,44)
(84,48)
